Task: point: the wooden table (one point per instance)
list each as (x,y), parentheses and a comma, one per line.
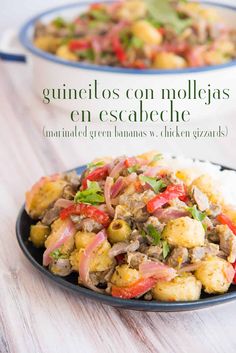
(36,315)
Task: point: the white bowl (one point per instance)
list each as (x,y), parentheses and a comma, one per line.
(50,71)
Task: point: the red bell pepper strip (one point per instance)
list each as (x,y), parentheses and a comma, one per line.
(234,279)
(139,64)
(223,219)
(96,175)
(96,6)
(172,192)
(89,211)
(162,30)
(118,49)
(130,162)
(136,289)
(78,44)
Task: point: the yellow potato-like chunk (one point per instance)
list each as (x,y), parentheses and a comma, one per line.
(146,32)
(101,260)
(82,239)
(215,57)
(124,276)
(209,14)
(43,194)
(131,10)
(230,211)
(183,288)
(47,43)
(209,187)
(226,47)
(64,53)
(38,234)
(187,175)
(167,60)
(215,274)
(184,231)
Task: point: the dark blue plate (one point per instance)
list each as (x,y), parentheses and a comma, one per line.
(34,255)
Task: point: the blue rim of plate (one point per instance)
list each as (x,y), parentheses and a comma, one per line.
(133,304)
(26,41)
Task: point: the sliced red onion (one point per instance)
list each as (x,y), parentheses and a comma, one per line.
(87,255)
(117,169)
(158,270)
(229,273)
(152,171)
(130,178)
(117,187)
(166,214)
(96,44)
(66,231)
(190,267)
(63,203)
(107,194)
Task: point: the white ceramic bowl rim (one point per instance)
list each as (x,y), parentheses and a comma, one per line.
(26,41)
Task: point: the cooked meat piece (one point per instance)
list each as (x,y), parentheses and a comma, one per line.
(121,212)
(166,214)
(109,273)
(153,251)
(136,201)
(201,30)
(178,257)
(212,249)
(134,259)
(122,247)
(73,179)
(171,178)
(215,210)
(136,235)
(101,276)
(86,224)
(51,215)
(208,224)
(199,252)
(68,192)
(213,236)
(155,223)
(200,198)
(148,296)
(227,242)
(61,267)
(40,30)
(140,215)
(178,203)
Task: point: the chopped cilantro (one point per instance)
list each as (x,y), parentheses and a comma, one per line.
(95,164)
(59,22)
(157,157)
(154,234)
(99,15)
(87,54)
(196,214)
(136,42)
(157,185)
(91,195)
(133,169)
(165,249)
(57,254)
(163,12)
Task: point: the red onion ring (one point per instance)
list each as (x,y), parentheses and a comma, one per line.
(66,230)
(158,270)
(87,255)
(107,194)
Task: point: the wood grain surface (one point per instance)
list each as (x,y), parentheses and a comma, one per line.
(36,315)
